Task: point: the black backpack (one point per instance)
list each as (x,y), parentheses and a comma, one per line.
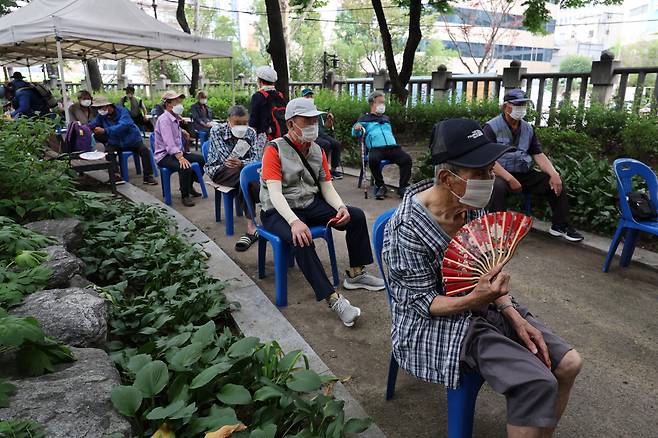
(44,93)
(641,206)
(277,103)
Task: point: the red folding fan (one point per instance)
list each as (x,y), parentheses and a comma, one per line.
(479,246)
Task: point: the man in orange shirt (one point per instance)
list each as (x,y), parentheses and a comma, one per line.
(297,192)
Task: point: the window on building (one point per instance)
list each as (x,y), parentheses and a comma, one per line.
(639,10)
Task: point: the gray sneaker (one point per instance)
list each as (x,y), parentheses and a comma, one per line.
(347,312)
(363,281)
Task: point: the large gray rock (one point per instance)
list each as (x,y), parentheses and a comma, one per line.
(72,402)
(68,232)
(64,265)
(73,316)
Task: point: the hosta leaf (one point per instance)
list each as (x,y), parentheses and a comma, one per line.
(205,376)
(205,334)
(186,356)
(152,378)
(161,413)
(138,362)
(217,418)
(234,395)
(304,381)
(6,390)
(266,393)
(244,347)
(289,360)
(126,399)
(357,425)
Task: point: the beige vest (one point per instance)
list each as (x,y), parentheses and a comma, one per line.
(298,186)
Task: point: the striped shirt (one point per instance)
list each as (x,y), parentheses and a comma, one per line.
(426,346)
(221,145)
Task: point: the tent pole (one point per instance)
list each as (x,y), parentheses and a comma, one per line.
(60,64)
(148,68)
(87,78)
(232,82)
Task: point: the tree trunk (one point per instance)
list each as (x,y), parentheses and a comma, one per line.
(277,45)
(94,75)
(182,21)
(400,80)
(121,69)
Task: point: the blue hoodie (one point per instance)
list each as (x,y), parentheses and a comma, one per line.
(378,131)
(26,100)
(120,129)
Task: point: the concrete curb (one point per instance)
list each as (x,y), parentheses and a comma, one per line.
(257,315)
(595,242)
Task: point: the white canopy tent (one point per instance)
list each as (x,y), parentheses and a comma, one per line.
(47,31)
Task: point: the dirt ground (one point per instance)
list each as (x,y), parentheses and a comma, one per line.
(611,319)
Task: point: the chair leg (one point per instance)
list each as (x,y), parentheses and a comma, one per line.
(154,164)
(613,247)
(461,406)
(199,177)
(392,377)
(238,210)
(527,204)
(328,237)
(262,250)
(629,247)
(138,163)
(228,212)
(124,167)
(218,206)
(166,187)
(281,255)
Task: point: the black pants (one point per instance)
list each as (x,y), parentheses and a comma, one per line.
(532,182)
(230,177)
(319,213)
(143,152)
(186,177)
(395,155)
(331,148)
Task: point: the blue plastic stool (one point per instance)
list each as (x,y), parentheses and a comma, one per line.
(461,401)
(229,199)
(382,164)
(125,157)
(625,169)
(165,176)
(201,138)
(282,251)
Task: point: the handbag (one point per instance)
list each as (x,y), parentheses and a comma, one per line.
(641,206)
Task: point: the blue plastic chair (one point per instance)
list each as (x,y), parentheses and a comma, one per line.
(461,401)
(382,164)
(527,203)
(282,251)
(625,169)
(229,199)
(165,176)
(123,163)
(201,138)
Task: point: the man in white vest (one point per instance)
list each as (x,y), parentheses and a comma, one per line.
(514,170)
(297,193)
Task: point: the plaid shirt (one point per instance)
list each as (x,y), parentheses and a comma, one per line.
(222,143)
(426,346)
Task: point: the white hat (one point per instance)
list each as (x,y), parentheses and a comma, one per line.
(301,106)
(266,73)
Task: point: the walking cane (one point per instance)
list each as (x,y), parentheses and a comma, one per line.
(364,166)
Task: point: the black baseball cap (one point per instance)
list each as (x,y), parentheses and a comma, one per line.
(129,88)
(461,142)
(515,97)
(17,75)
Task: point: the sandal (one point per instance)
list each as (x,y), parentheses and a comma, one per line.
(246,241)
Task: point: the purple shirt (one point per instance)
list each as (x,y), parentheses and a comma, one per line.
(168,136)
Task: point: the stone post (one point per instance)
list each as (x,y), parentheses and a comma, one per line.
(602,77)
(329,81)
(512,75)
(380,81)
(161,83)
(203,82)
(441,79)
(122,82)
(243,81)
(53,82)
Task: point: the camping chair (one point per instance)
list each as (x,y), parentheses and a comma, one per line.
(282,251)
(625,169)
(461,401)
(226,194)
(165,176)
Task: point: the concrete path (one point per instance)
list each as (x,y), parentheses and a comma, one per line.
(612,319)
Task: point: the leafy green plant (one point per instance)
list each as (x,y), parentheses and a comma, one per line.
(558,142)
(639,138)
(21,429)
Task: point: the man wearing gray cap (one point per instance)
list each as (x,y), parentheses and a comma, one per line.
(296,193)
(514,169)
(437,337)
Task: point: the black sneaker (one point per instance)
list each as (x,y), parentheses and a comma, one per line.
(336,174)
(380,192)
(187,201)
(402,191)
(149,180)
(567,232)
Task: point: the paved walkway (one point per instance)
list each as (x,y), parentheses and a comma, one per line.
(612,319)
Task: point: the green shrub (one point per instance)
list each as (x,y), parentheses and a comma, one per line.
(605,125)
(639,138)
(558,142)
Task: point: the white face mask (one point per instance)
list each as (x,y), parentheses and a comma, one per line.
(478,192)
(239,131)
(518,112)
(309,133)
(203,101)
(102,112)
(85,102)
(178,109)
(379,109)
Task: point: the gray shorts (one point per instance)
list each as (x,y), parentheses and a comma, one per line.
(492,348)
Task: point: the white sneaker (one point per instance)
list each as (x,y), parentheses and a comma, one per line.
(363,281)
(347,312)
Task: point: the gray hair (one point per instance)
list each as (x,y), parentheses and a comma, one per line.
(444,166)
(237,111)
(372,96)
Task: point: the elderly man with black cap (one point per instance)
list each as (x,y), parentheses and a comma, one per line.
(296,193)
(436,337)
(514,169)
